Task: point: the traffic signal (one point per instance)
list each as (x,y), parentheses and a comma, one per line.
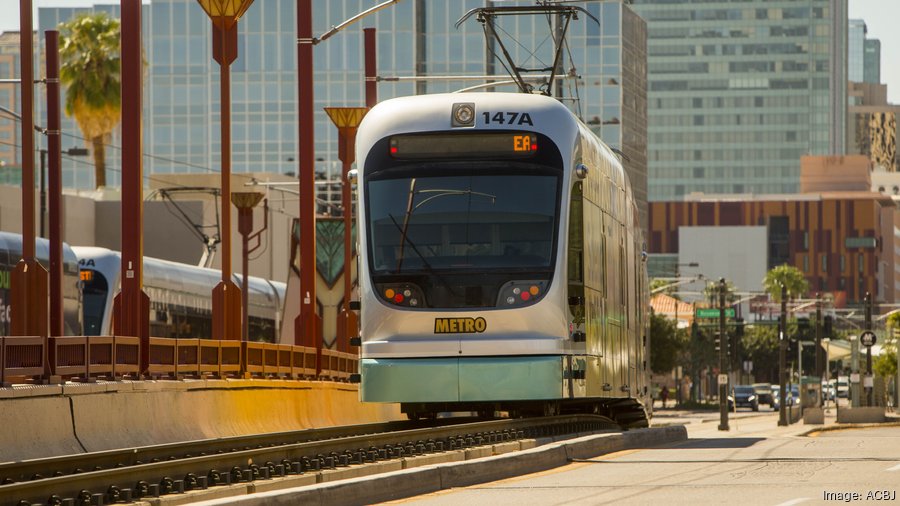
(802,327)
(791,347)
(735,348)
(828,326)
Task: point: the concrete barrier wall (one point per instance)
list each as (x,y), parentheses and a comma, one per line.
(104,416)
(36,427)
(873,414)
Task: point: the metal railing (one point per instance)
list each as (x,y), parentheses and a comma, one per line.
(87,358)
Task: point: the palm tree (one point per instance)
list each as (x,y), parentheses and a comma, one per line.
(89,68)
(788,276)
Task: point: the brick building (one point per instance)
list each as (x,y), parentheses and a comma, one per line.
(842,241)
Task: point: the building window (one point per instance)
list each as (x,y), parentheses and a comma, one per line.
(843,263)
(805,263)
(824,262)
(861,263)
(860,242)
(805,240)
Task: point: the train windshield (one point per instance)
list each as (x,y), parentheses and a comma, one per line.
(95,291)
(459,236)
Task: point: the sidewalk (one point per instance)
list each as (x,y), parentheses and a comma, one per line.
(663,417)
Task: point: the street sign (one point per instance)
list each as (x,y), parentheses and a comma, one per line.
(723,379)
(712,312)
(867,338)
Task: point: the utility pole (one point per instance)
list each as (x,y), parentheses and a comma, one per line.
(782,359)
(723,360)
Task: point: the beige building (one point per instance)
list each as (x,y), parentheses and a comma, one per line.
(872,125)
(9,128)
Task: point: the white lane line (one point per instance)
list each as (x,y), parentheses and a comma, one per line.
(895,468)
(792,502)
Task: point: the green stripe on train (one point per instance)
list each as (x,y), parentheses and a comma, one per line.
(462,379)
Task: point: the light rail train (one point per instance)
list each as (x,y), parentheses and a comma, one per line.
(502,265)
(180,297)
(11,253)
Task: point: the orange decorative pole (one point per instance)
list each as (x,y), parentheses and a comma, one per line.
(307,327)
(245,202)
(29,278)
(347,120)
(131,309)
(226,295)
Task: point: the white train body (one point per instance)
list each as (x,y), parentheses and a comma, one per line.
(501,261)
(180,297)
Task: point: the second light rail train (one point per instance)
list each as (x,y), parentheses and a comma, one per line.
(180,297)
(501,261)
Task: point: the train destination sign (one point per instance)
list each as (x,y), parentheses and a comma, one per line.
(711,312)
(484,144)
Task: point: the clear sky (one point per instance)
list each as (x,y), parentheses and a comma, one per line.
(881,17)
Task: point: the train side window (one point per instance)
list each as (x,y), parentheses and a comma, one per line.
(576,252)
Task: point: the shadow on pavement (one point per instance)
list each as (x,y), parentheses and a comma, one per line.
(714,443)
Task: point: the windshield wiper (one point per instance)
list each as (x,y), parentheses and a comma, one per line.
(404,239)
(410,209)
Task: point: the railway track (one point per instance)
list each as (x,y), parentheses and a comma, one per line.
(134,473)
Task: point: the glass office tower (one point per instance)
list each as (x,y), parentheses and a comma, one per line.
(739,91)
(856,40)
(414,38)
(872,61)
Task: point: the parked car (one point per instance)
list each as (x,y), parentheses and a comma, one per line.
(743,396)
(828,390)
(794,397)
(763,393)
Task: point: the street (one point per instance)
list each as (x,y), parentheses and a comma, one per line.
(756,462)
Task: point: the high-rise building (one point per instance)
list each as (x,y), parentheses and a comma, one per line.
(415,38)
(856,43)
(739,91)
(872,61)
(863,54)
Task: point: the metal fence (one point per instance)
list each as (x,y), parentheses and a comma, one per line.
(87,358)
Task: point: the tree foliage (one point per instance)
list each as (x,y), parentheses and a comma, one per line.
(885,365)
(788,276)
(667,343)
(711,293)
(90,70)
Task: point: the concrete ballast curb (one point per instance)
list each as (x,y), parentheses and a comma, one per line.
(435,477)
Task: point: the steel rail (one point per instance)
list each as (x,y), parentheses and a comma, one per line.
(180,467)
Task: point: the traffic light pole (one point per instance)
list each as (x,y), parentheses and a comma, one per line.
(868,327)
(723,360)
(818,348)
(782,359)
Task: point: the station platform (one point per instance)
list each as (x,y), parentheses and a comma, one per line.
(42,421)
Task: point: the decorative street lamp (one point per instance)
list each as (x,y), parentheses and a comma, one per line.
(347,120)
(245,202)
(226,295)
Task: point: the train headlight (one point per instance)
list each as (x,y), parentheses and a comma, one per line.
(401,294)
(521,293)
(463,115)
